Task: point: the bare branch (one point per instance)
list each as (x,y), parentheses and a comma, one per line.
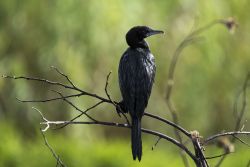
(244,103)
(218,156)
(84,112)
(43,118)
(51,99)
(106,86)
(155,133)
(113,102)
(78,109)
(242,141)
(169,123)
(59,161)
(225,134)
(198,149)
(58,84)
(67,78)
(88,94)
(39,80)
(240,115)
(157,141)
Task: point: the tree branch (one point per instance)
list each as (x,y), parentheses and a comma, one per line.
(155,133)
(209,139)
(58,160)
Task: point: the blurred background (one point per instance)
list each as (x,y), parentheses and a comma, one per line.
(85,39)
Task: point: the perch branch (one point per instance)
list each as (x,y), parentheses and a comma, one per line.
(155,133)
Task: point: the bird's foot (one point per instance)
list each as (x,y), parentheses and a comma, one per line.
(120,108)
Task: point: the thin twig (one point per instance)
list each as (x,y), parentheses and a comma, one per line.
(59,161)
(209,139)
(157,141)
(218,156)
(67,78)
(58,84)
(84,112)
(50,99)
(242,141)
(106,87)
(244,103)
(169,123)
(113,102)
(43,118)
(77,108)
(220,161)
(240,115)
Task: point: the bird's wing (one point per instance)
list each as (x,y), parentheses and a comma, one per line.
(127,79)
(145,79)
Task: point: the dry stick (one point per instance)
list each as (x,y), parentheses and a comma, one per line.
(106,87)
(83,113)
(218,156)
(244,103)
(202,162)
(209,139)
(190,39)
(157,141)
(155,133)
(51,99)
(65,76)
(59,161)
(243,109)
(199,153)
(104,100)
(169,123)
(242,141)
(77,108)
(113,102)
(58,84)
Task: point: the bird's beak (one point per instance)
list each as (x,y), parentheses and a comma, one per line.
(154,32)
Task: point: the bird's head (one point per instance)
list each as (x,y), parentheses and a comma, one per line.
(136,35)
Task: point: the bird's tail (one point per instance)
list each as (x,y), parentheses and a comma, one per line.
(136,138)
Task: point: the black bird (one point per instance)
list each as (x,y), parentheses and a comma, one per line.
(136,76)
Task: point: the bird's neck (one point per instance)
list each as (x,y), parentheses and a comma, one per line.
(138,44)
(143,44)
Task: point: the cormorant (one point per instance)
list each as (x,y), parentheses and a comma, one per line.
(136,76)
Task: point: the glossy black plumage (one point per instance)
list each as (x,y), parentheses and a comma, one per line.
(136,76)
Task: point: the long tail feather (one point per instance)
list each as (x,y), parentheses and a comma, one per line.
(136,138)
